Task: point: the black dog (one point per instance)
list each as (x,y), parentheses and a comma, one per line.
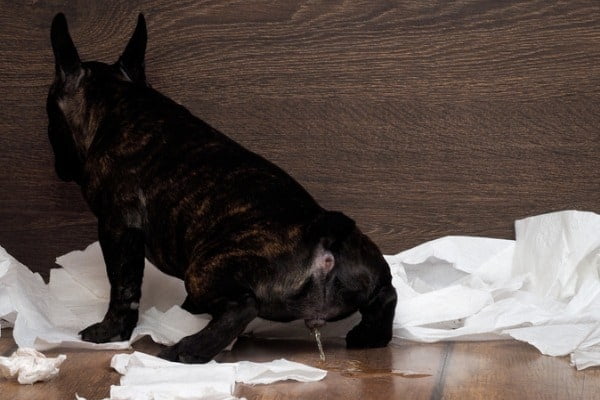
(244,236)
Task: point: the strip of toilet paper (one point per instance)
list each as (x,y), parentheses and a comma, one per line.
(148,377)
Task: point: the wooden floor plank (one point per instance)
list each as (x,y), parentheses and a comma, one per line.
(467,370)
(514,370)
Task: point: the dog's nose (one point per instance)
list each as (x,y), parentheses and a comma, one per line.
(314,323)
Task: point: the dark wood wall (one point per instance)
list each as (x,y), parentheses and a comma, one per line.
(417,118)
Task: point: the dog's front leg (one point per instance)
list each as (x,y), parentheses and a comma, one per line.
(123,250)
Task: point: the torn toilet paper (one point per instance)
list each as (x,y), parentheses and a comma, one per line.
(30,366)
(542,288)
(148,377)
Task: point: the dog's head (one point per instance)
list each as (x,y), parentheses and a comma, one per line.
(75,97)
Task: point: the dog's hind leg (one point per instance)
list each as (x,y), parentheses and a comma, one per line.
(188,305)
(213,287)
(375,328)
(123,250)
(224,327)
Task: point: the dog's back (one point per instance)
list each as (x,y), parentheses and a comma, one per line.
(191,189)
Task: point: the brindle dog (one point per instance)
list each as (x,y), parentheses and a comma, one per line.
(245,237)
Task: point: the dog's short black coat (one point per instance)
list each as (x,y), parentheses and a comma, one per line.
(244,236)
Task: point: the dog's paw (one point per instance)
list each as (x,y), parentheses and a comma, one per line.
(100,332)
(362,338)
(108,330)
(177,354)
(170,353)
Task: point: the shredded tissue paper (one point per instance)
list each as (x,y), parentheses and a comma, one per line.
(148,377)
(542,288)
(30,366)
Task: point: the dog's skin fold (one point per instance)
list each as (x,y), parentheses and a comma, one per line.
(244,236)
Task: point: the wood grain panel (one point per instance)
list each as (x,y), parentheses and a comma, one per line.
(419,119)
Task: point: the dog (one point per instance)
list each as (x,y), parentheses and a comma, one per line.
(246,238)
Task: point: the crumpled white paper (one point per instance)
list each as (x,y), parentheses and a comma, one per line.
(148,377)
(30,366)
(542,288)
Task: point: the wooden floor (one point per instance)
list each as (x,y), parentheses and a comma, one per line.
(461,371)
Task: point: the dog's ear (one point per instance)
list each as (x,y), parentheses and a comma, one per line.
(66,59)
(132,59)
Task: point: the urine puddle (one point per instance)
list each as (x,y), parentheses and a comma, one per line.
(356,369)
